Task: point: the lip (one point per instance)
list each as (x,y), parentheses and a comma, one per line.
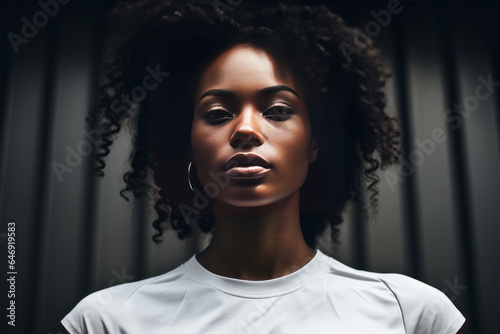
(246,172)
(247,165)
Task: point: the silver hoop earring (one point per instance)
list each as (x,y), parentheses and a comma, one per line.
(189,178)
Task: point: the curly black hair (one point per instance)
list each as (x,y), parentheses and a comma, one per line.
(344,97)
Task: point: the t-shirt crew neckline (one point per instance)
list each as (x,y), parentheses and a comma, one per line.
(259,289)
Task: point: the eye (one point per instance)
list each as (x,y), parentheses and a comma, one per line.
(216,116)
(279,112)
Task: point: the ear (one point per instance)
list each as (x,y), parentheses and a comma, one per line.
(313,152)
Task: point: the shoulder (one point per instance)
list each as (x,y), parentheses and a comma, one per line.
(98,312)
(424,309)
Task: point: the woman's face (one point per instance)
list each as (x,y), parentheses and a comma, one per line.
(246,103)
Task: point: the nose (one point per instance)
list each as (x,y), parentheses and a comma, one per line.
(247,129)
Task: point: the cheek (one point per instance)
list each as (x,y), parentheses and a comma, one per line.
(296,140)
(200,142)
(196,143)
(299,161)
(294,151)
(205,146)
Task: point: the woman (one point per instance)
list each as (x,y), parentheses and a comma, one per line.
(277,122)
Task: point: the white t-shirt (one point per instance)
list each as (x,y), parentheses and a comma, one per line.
(324,296)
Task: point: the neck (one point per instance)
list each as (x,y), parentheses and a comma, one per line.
(257,243)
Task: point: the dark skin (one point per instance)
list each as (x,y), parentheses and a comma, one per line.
(257,234)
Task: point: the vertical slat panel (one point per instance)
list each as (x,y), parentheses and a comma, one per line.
(345,251)
(429,154)
(37,128)
(21,139)
(5,53)
(115,223)
(386,249)
(62,218)
(408,181)
(483,162)
(168,254)
(460,184)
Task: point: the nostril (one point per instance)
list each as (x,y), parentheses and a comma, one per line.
(243,142)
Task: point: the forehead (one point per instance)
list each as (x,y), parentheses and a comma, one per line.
(244,67)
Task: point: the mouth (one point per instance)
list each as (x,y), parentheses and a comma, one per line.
(247,165)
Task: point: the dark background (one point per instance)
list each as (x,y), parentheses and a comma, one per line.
(438,224)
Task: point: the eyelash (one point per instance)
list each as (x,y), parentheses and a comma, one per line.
(285,113)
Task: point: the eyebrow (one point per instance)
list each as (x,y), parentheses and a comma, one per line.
(264,92)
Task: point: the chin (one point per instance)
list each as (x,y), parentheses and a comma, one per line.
(248,203)
(244,199)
